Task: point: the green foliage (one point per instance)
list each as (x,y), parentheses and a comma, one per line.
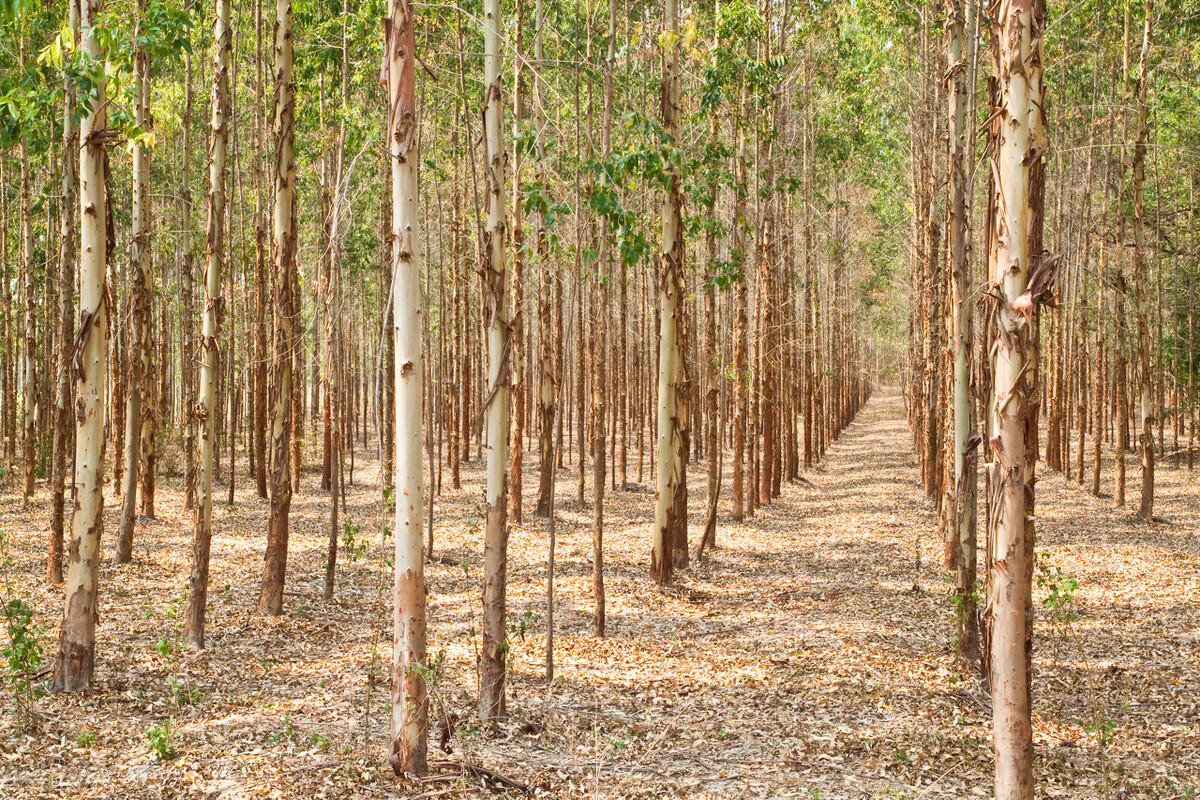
(1059,589)
(161,741)
(353,547)
(22,653)
(182,692)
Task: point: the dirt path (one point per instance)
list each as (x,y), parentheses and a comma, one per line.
(796,661)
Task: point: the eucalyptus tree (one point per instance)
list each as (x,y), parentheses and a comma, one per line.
(77,643)
(283,269)
(963,486)
(213,303)
(496,315)
(670,509)
(1022,276)
(68,224)
(410,703)
(1140,275)
(141,376)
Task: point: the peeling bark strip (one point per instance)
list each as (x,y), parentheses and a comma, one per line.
(496,404)
(77,645)
(410,697)
(283,269)
(1022,277)
(670,508)
(213,302)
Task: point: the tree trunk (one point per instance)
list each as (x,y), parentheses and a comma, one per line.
(262,314)
(516,335)
(28,385)
(187,333)
(141,377)
(741,373)
(214,301)
(671,487)
(1020,265)
(283,272)
(334,350)
(66,329)
(77,644)
(962,495)
(410,704)
(1144,333)
(496,402)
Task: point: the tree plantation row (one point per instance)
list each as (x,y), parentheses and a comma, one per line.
(616,242)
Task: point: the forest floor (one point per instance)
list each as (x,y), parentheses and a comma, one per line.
(809,656)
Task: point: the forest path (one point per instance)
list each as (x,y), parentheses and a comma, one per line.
(810,655)
(796,660)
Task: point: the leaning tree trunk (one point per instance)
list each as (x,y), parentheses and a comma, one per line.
(283,270)
(139,302)
(672,490)
(213,302)
(410,704)
(496,321)
(77,643)
(1023,276)
(66,329)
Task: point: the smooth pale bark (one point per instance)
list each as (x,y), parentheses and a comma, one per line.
(671,497)
(496,402)
(1141,300)
(1021,270)
(66,328)
(410,703)
(283,270)
(961,494)
(77,643)
(139,300)
(206,408)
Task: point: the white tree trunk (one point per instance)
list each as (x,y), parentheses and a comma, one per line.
(410,704)
(77,644)
(496,311)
